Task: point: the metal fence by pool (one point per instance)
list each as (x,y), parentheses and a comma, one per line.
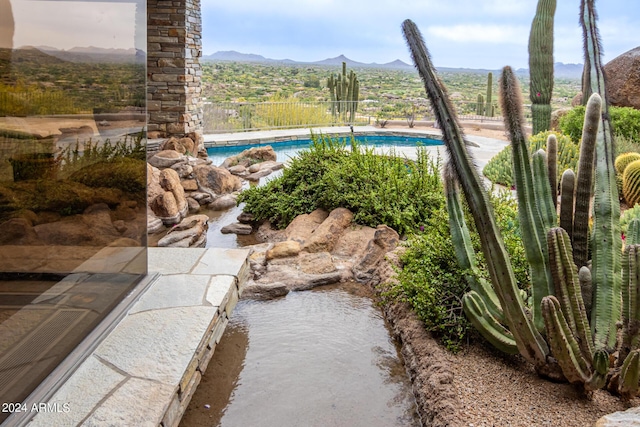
(246,116)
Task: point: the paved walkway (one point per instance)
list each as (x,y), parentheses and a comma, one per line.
(145,371)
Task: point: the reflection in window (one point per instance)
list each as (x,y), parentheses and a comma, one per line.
(72,176)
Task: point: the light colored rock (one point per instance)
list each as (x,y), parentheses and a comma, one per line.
(170,181)
(178,290)
(302,226)
(385,240)
(184,170)
(165,207)
(316,263)
(216,181)
(251,156)
(223,203)
(191,232)
(628,418)
(327,234)
(246,218)
(238,170)
(256,176)
(267,233)
(202,198)
(284,249)
(265,291)
(165,159)
(154,224)
(193,204)
(189,184)
(181,145)
(219,290)
(269,164)
(353,242)
(236,228)
(153,183)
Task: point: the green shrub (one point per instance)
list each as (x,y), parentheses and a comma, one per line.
(625,122)
(433,283)
(627,216)
(378,189)
(499,169)
(126,174)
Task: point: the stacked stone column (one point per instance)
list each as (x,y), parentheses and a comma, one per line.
(174,46)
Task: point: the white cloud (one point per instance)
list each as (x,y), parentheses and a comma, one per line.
(480,33)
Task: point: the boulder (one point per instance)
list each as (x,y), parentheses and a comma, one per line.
(556,116)
(265,291)
(316,263)
(269,164)
(215,181)
(246,218)
(303,226)
(181,145)
(238,170)
(257,175)
(127,210)
(91,228)
(18,231)
(324,237)
(193,204)
(237,228)
(623,79)
(165,207)
(184,169)
(153,183)
(385,239)
(250,156)
(154,224)
(223,203)
(166,158)
(189,184)
(284,249)
(191,232)
(202,198)
(170,181)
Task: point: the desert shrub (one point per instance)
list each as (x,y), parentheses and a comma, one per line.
(433,283)
(126,174)
(378,189)
(625,122)
(499,168)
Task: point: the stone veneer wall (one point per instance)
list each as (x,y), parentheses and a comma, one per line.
(174,46)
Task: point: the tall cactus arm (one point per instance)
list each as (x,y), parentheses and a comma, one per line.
(633,232)
(579,238)
(552,167)
(606,207)
(563,344)
(630,300)
(534,232)
(567,287)
(567,185)
(529,341)
(542,190)
(586,287)
(478,314)
(463,249)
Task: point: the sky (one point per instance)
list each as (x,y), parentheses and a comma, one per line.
(459,33)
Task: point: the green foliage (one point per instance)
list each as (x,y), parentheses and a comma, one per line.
(625,122)
(126,174)
(432,281)
(627,216)
(378,189)
(499,168)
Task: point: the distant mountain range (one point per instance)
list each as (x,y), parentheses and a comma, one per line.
(560,69)
(89,54)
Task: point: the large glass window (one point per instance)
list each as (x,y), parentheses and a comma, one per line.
(72,176)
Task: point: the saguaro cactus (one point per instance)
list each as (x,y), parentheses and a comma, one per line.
(344,90)
(541,65)
(488,111)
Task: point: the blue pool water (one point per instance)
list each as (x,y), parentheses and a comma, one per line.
(287,149)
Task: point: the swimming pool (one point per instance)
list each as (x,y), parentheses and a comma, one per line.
(286,149)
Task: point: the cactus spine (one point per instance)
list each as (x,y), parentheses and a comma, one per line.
(488,111)
(624,159)
(552,166)
(344,90)
(567,186)
(541,65)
